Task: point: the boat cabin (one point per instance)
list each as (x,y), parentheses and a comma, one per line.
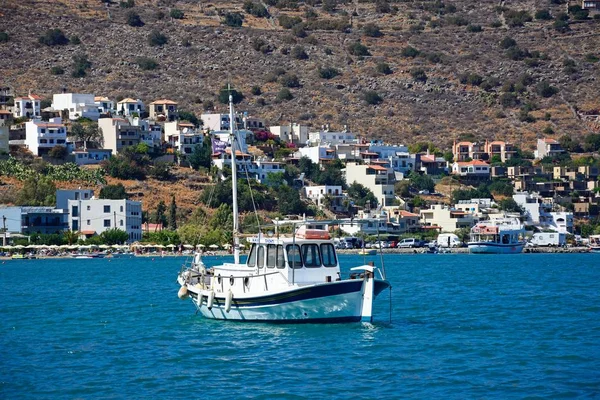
(309,257)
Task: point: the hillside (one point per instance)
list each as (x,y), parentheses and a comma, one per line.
(202,55)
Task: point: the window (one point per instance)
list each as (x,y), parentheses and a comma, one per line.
(106,209)
(89,222)
(121,208)
(107,223)
(88,208)
(260,259)
(310,254)
(271,255)
(328,254)
(75,211)
(293,255)
(121,222)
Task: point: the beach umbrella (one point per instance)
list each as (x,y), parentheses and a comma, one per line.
(160,246)
(19,246)
(227,246)
(171,246)
(201,246)
(64,246)
(214,246)
(8,247)
(104,246)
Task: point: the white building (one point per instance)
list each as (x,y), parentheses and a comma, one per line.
(79,105)
(104,104)
(317,154)
(539,212)
(163,110)
(183,136)
(473,168)
(40,137)
(28,106)
(263,169)
(292,133)
(91,156)
(327,137)
(253,123)
(130,107)
(446,219)
(378,179)
(94,216)
(319,194)
(119,133)
(64,195)
(548,148)
(220,122)
(150,131)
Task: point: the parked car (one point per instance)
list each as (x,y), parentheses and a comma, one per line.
(411,243)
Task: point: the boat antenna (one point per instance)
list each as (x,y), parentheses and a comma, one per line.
(380,248)
(236,238)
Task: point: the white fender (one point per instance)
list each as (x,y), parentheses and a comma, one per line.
(183,293)
(228,299)
(210,299)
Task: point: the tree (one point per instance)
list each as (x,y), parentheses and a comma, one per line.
(361,196)
(421,182)
(58,152)
(114,192)
(236,96)
(201,156)
(173,214)
(233,19)
(37,191)
(133,19)
(509,205)
(70,236)
(289,202)
(160,213)
(114,236)
(88,132)
(80,65)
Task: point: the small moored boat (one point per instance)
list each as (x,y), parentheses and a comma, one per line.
(497,236)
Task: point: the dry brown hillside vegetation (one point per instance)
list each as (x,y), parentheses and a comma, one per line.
(424,70)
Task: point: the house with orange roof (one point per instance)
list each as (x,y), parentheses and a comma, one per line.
(130,107)
(163,110)
(464,151)
(27,106)
(40,136)
(104,104)
(547,147)
(377,178)
(475,168)
(503,150)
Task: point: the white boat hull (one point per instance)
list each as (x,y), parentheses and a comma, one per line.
(332,302)
(495,248)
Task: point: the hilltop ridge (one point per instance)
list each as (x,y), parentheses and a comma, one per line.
(456,82)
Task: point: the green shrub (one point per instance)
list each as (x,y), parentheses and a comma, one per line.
(4,37)
(457,20)
(508,100)
(133,19)
(236,96)
(474,28)
(157,39)
(299,53)
(80,65)
(176,13)
(299,31)
(358,49)
(545,90)
(418,74)
(592,58)
(383,68)
(561,26)
(433,58)
(127,4)
(543,14)
(289,80)
(54,37)
(256,90)
(470,79)
(57,71)
(372,30)
(284,95)
(328,72)
(75,40)
(371,97)
(146,63)
(255,9)
(507,43)
(233,19)
(517,18)
(410,52)
(288,22)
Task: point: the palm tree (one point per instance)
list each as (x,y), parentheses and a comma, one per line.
(70,237)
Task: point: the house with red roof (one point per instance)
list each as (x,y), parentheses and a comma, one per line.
(163,110)
(27,106)
(474,168)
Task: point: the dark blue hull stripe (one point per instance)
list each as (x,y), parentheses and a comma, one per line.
(306,293)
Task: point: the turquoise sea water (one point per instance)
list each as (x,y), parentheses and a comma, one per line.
(462,327)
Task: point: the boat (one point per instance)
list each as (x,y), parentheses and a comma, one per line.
(285,279)
(497,236)
(594,243)
(367,252)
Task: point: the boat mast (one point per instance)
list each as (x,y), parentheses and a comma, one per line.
(236,239)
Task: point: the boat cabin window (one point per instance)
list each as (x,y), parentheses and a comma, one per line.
(275,256)
(260,257)
(293,255)
(311,256)
(252,257)
(280,257)
(328,254)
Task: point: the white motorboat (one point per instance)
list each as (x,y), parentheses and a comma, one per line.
(284,279)
(497,236)
(594,243)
